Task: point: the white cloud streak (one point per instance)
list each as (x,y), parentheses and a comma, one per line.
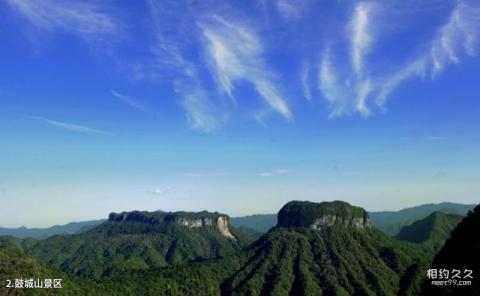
(352,90)
(330,86)
(234,51)
(290,9)
(200,114)
(457,38)
(130,101)
(305,79)
(71,127)
(361,38)
(235,54)
(83,18)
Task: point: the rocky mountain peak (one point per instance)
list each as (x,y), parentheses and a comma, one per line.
(322,215)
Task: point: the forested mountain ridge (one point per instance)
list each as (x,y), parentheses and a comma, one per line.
(42,233)
(328,248)
(388,221)
(138,241)
(308,253)
(391,222)
(460,257)
(432,231)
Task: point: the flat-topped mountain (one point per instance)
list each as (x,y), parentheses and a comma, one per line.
(326,248)
(139,241)
(188,219)
(316,249)
(321,215)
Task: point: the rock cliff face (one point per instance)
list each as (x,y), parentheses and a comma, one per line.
(322,215)
(187,219)
(195,222)
(222,225)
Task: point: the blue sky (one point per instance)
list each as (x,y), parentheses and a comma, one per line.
(235,106)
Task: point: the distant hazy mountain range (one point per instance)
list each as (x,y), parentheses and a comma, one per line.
(388,221)
(392,221)
(328,248)
(41,233)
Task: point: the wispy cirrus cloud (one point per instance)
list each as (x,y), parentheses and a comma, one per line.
(329,84)
(291,9)
(392,81)
(200,114)
(212,53)
(235,54)
(87,19)
(71,127)
(305,79)
(361,38)
(352,88)
(347,91)
(453,41)
(168,50)
(130,101)
(459,36)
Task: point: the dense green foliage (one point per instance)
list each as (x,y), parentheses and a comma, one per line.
(293,261)
(16,265)
(432,231)
(392,222)
(146,254)
(334,261)
(337,260)
(137,243)
(461,251)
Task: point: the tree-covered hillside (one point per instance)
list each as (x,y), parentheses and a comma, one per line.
(391,222)
(432,231)
(461,252)
(336,259)
(326,248)
(137,241)
(16,265)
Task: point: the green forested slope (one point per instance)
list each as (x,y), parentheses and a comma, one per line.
(461,252)
(432,231)
(134,244)
(341,259)
(391,222)
(319,249)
